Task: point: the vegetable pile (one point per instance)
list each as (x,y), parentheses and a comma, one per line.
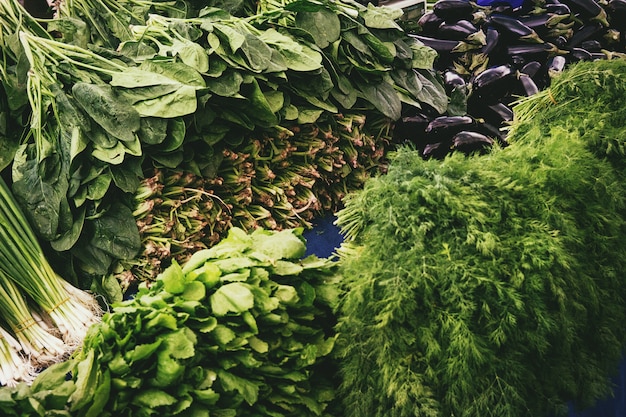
(92,105)
(493,285)
(490,53)
(242,329)
(272,183)
(43,317)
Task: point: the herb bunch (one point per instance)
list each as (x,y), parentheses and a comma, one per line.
(492,285)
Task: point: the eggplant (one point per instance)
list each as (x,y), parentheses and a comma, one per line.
(528,85)
(453,80)
(409,128)
(449,123)
(453,10)
(492,36)
(514,27)
(458,30)
(470,142)
(580,54)
(611,36)
(543,21)
(494,83)
(558,8)
(496,113)
(439,45)
(592,45)
(616,10)
(531,49)
(436,150)
(585,32)
(492,75)
(590,8)
(556,65)
(531,68)
(429,23)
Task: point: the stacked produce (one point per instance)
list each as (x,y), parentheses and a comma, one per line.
(493,285)
(272,182)
(98,102)
(242,329)
(493,52)
(43,317)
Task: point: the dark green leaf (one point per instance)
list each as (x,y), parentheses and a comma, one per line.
(384,97)
(116,232)
(116,116)
(323,25)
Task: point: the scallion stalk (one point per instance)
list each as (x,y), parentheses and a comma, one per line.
(14,367)
(22,259)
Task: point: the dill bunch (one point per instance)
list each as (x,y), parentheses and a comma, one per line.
(492,285)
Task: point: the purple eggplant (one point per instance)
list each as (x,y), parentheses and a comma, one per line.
(543,21)
(592,45)
(532,49)
(469,142)
(579,54)
(492,36)
(453,80)
(439,45)
(528,85)
(531,68)
(616,10)
(558,8)
(514,27)
(590,8)
(453,10)
(585,32)
(436,150)
(410,128)
(556,65)
(429,23)
(449,123)
(458,30)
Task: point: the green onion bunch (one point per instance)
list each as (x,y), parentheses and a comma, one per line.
(43,313)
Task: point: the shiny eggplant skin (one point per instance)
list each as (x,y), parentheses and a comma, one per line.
(439,45)
(458,30)
(492,36)
(469,142)
(529,87)
(590,8)
(531,68)
(584,33)
(491,75)
(453,10)
(449,123)
(452,80)
(513,27)
(429,22)
(436,150)
(556,65)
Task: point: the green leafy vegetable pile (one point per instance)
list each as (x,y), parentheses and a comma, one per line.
(242,329)
(272,182)
(493,285)
(91,105)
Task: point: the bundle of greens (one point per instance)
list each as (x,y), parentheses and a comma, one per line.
(272,182)
(98,101)
(241,329)
(44,316)
(493,285)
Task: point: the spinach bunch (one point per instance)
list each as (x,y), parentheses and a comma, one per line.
(243,328)
(493,285)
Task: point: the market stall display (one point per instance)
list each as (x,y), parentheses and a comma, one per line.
(169,154)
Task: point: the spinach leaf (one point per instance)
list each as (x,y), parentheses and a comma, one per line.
(115,116)
(323,25)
